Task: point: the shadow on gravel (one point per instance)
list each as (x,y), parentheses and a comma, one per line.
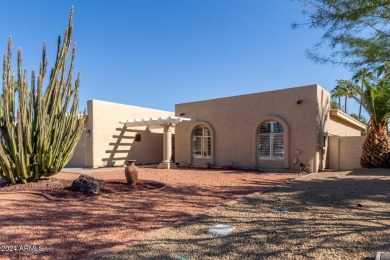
(76,229)
(330,217)
(340,193)
(370,172)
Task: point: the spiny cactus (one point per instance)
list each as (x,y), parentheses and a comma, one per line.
(39,139)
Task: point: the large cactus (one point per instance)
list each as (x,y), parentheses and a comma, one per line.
(39,126)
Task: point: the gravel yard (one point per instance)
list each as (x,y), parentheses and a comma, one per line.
(335,215)
(33,227)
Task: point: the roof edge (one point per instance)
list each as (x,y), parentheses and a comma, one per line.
(345,117)
(253,93)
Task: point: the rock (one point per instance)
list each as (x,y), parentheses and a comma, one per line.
(87,184)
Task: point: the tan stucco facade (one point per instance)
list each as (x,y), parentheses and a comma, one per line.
(78,158)
(107,142)
(345,152)
(234,121)
(331,122)
(339,119)
(233,124)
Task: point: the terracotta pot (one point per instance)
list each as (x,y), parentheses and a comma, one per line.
(131,173)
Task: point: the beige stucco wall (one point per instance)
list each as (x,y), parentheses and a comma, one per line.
(109,143)
(235,120)
(350,152)
(333,152)
(322,127)
(345,152)
(336,126)
(78,157)
(329,125)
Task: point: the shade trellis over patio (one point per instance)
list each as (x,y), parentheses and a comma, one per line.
(167,123)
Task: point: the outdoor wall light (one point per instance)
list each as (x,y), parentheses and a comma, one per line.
(88,133)
(299,102)
(182,114)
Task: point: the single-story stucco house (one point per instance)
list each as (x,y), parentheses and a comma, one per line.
(283,130)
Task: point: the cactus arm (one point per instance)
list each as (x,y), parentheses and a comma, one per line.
(40,138)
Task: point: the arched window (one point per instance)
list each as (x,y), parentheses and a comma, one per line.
(270,141)
(201,142)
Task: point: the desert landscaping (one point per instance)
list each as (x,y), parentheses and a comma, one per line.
(201,133)
(328,215)
(80,227)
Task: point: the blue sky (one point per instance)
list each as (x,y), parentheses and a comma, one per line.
(156,53)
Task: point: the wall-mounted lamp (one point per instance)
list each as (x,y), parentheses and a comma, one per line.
(182,114)
(299,102)
(88,133)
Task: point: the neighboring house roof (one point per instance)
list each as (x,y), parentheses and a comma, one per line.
(347,118)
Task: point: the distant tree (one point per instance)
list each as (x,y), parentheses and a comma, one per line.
(334,104)
(39,139)
(375,99)
(336,94)
(361,77)
(361,119)
(357,31)
(339,92)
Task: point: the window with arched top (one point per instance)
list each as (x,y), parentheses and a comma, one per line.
(201,143)
(270,141)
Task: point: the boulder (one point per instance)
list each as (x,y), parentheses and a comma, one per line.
(87,184)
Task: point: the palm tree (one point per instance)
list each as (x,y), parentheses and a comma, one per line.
(361,77)
(336,93)
(334,105)
(374,97)
(339,92)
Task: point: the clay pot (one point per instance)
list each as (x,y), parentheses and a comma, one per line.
(131,173)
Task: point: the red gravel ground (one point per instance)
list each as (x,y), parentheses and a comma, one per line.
(33,227)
